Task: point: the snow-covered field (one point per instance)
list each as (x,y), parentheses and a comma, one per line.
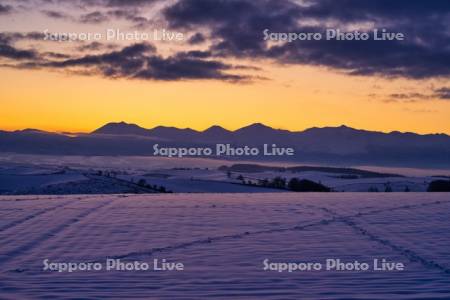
(222,240)
(22,174)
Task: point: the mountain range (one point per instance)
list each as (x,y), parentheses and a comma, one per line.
(328,145)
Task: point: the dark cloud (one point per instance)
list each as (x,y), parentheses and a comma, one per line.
(95,17)
(95,11)
(5,9)
(197,38)
(195,53)
(12,37)
(130,14)
(88,3)
(237,27)
(180,68)
(138,61)
(235,30)
(141,61)
(129,56)
(11,52)
(409,97)
(443,93)
(236,24)
(56,14)
(95,46)
(121,3)
(368,10)
(55,55)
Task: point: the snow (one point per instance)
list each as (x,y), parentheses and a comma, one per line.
(222,240)
(149,162)
(46,174)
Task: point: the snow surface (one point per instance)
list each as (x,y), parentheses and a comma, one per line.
(222,239)
(46,174)
(150,162)
(27,178)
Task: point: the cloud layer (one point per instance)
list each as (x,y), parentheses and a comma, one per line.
(237,27)
(230,29)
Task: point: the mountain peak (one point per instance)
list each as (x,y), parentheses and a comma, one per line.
(341,128)
(165,129)
(259,125)
(30,130)
(121,128)
(216,132)
(255,127)
(215,129)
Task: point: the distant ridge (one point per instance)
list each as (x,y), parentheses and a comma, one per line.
(130,128)
(340,145)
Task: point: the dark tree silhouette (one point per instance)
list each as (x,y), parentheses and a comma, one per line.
(142,182)
(278,182)
(439,186)
(306,185)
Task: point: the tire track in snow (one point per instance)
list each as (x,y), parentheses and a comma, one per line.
(377,211)
(408,253)
(210,240)
(49,234)
(408,206)
(32,216)
(54,197)
(405,252)
(334,218)
(29,199)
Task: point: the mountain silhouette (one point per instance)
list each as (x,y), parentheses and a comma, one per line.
(328,145)
(217,133)
(121,128)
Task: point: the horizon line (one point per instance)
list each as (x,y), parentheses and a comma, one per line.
(65,132)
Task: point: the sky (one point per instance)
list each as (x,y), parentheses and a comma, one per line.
(222,71)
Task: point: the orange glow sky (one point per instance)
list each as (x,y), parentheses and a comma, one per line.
(296,98)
